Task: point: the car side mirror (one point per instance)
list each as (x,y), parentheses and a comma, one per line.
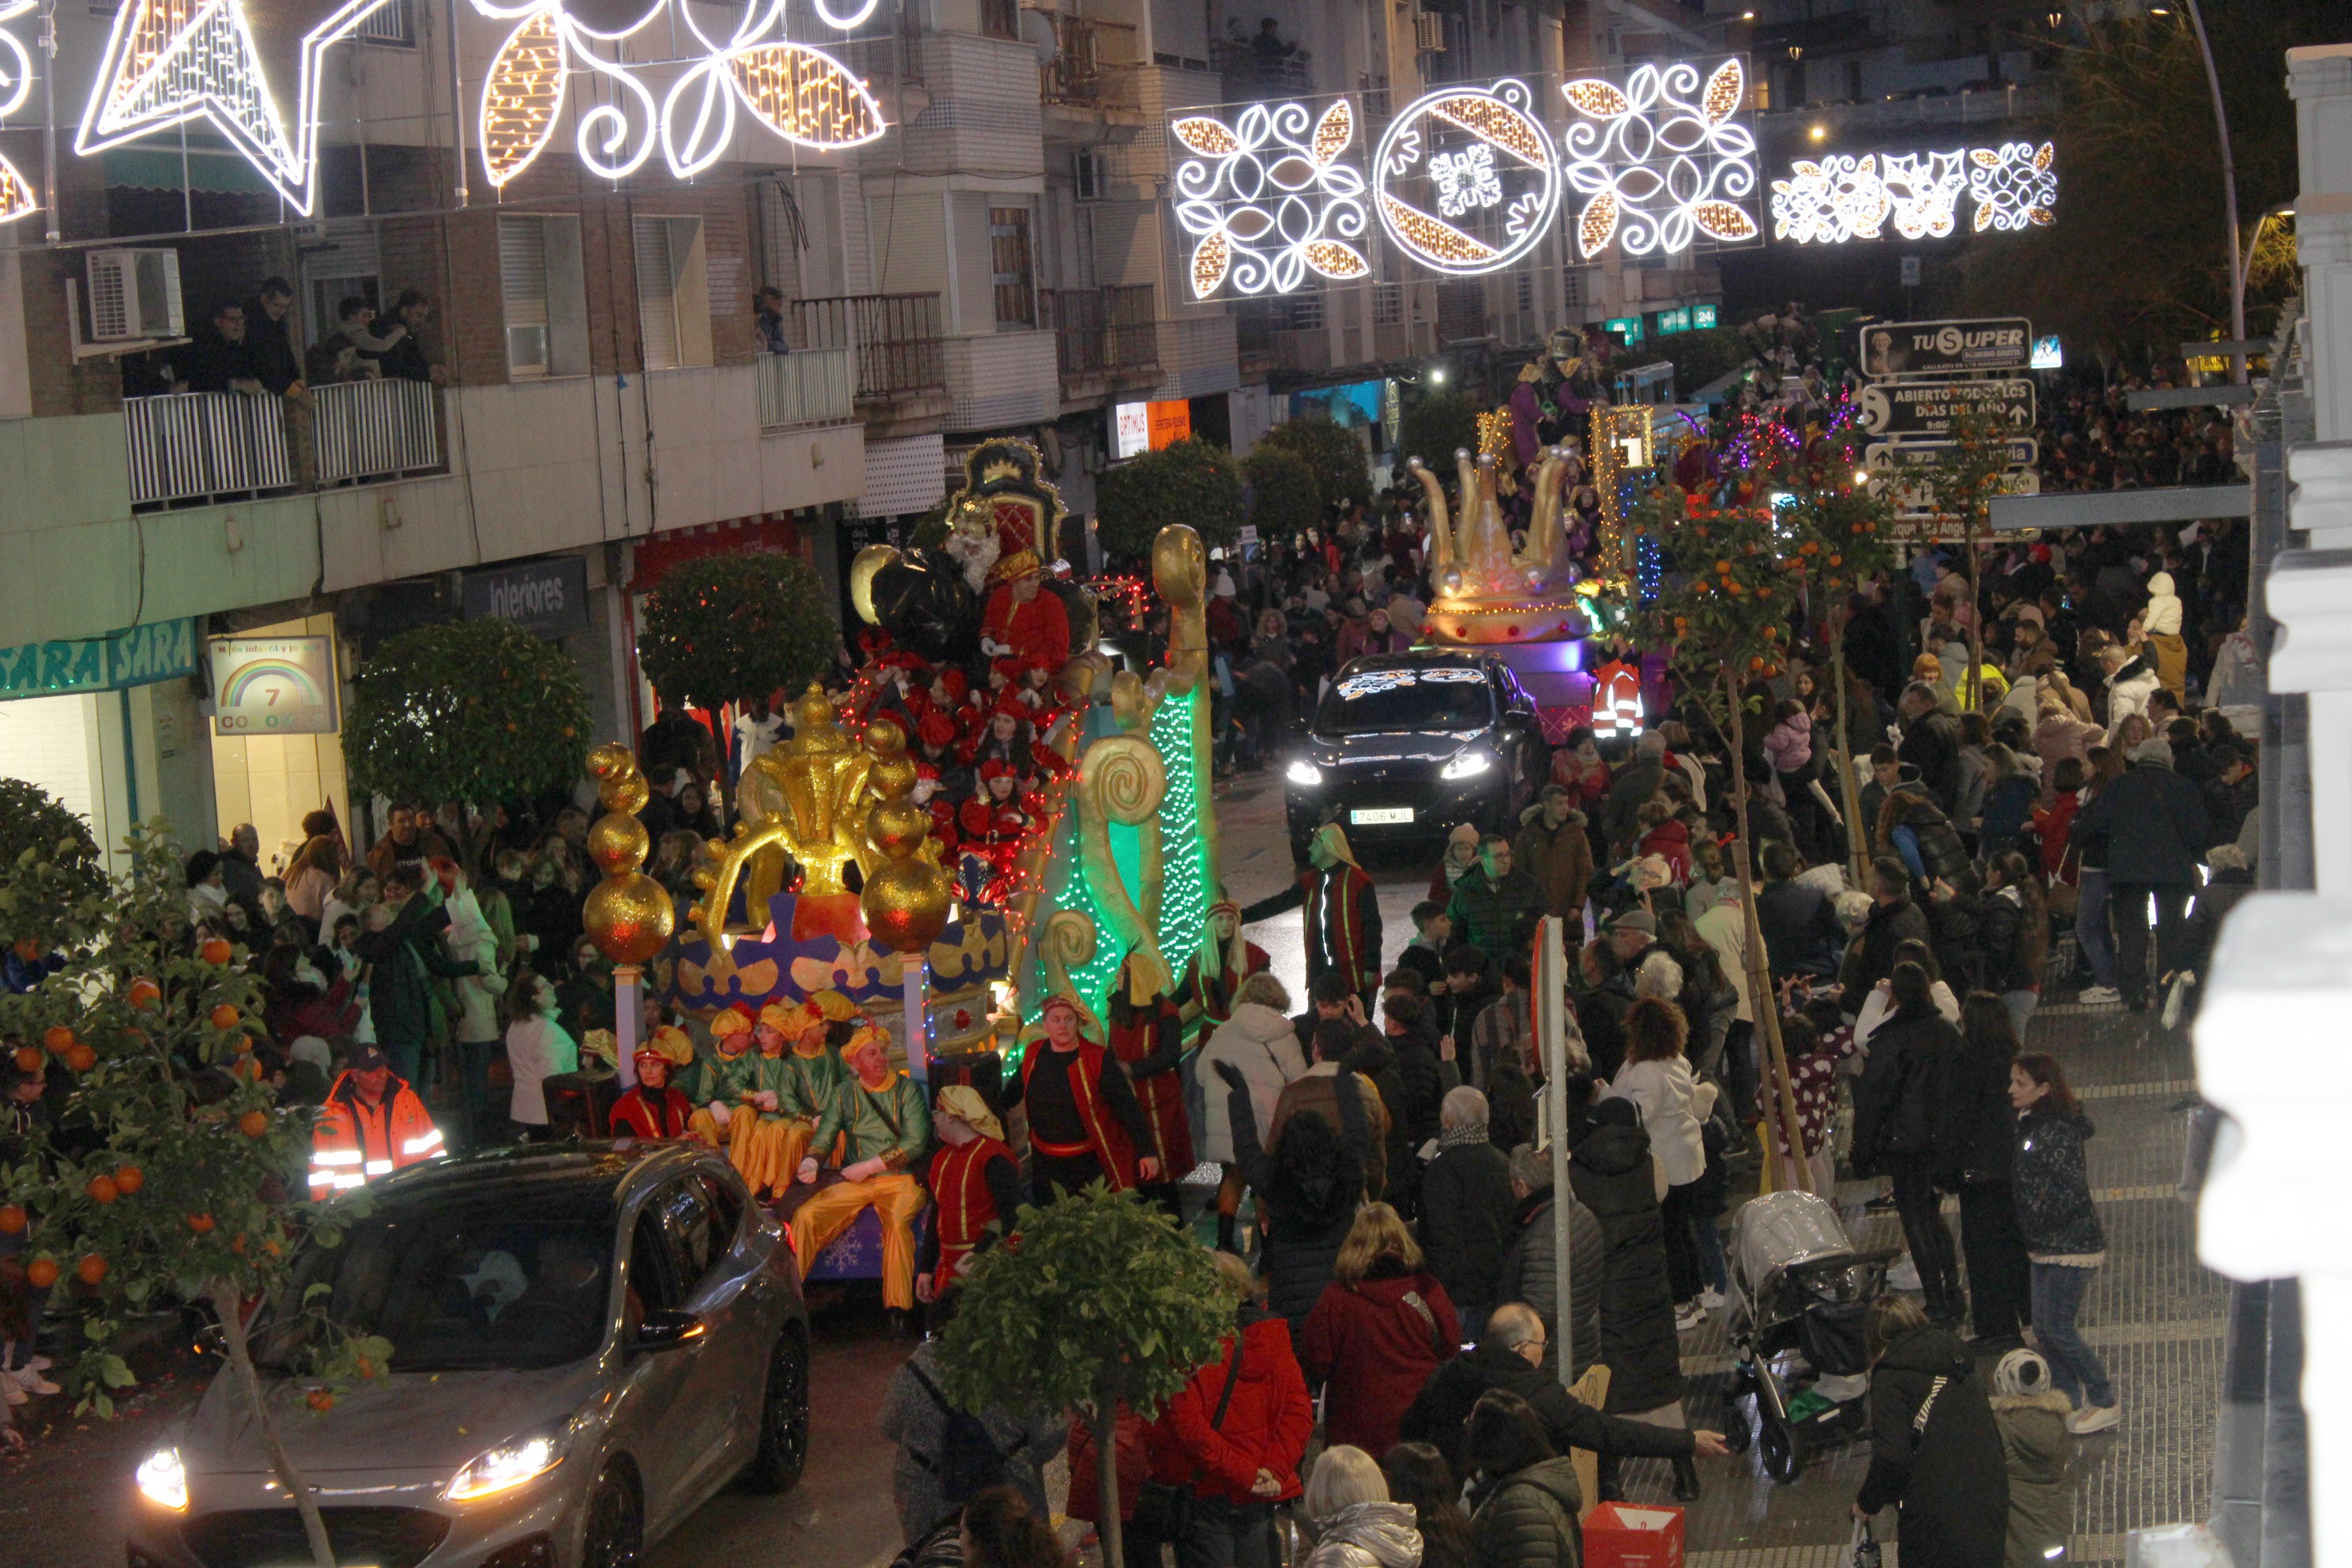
(667,1331)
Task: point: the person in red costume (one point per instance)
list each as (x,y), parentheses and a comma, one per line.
(1224,960)
(656,1108)
(975,1191)
(1147,1035)
(1021,621)
(1085,1125)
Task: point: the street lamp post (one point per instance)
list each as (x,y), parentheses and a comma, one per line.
(2228,196)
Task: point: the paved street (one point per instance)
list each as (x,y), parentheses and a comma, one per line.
(2153,1313)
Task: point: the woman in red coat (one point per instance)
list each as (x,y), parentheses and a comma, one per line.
(1377,1332)
(1241,1466)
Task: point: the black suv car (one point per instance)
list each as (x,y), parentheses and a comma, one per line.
(1407,746)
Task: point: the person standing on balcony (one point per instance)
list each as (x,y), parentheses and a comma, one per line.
(1270,50)
(769,321)
(268,332)
(404,360)
(221,360)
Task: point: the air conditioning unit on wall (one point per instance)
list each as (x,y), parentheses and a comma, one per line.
(1429,32)
(134,295)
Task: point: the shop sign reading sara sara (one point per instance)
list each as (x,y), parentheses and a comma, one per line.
(274,685)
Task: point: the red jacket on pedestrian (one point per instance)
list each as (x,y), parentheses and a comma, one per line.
(1265,1426)
(1372,1349)
(1134,1465)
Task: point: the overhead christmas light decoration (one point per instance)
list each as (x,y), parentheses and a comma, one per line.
(1465,180)
(169,62)
(1662,162)
(16,198)
(1832,200)
(801,94)
(1267,198)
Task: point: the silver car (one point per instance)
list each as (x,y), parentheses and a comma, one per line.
(588,1343)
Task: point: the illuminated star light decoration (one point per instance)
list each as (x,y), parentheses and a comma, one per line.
(1465,180)
(16,198)
(1662,162)
(801,94)
(1269,199)
(1831,200)
(169,62)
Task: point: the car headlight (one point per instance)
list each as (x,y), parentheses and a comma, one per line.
(1468,765)
(504,1468)
(163,1480)
(1302,772)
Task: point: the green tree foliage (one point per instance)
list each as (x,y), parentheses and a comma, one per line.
(729,628)
(1434,427)
(1341,468)
(1192,481)
(139,1197)
(1283,497)
(477,711)
(48,861)
(2138,257)
(1699,357)
(1102,1299)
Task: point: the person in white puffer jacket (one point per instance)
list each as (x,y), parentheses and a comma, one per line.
(469,937)
(2160,630)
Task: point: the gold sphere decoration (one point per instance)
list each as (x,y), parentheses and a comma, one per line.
(618,844)
(623,788)
(899,824)
(906,904)
(629,917)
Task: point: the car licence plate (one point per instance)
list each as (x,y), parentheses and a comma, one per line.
(1372,816)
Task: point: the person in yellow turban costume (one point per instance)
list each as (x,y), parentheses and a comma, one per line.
(723,1082)
(759,1125)
(883,1125)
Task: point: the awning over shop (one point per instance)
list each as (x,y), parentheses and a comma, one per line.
(159,168)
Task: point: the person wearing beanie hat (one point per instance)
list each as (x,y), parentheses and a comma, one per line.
(2031,1416)
(654,1107)
(1217,968)
(2160,635)
(1084,1123)
(975,1186)
(872,1131)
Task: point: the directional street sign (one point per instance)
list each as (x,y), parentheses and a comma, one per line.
(1881,455)
(1916,523)
(1895,349)
(1929,407)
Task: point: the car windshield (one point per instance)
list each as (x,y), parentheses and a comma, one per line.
(496,1282)
(1433,696)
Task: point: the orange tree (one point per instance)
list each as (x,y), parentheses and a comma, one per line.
(1724,610)
(168,1179)
(1839,532)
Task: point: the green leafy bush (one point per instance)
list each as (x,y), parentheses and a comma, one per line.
(477,711)
(47,860)
(1192,482)
(1341,468)
(1283,497)
(728,628)
(1435,427)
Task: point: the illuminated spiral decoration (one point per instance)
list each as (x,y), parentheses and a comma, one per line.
(1662,162)
(1123,779)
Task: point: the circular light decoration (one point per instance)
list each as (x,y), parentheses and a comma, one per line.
(1267,199)
(1464,180)
(1660,161)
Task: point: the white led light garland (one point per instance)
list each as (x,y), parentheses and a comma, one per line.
(1484,164)
(1838,198)
(1267,198)
(1662,162)
(16,198)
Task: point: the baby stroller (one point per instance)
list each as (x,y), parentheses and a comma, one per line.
(1799,1291)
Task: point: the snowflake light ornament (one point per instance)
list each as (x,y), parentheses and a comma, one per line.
(1830,202)
(1660,161)
(1269,199)
(1465,181)
(1924,189)
(2012,185)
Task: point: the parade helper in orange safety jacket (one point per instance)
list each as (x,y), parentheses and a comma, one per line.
(372,1125)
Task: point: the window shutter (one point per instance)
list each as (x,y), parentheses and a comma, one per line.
(657,291)
(522,278)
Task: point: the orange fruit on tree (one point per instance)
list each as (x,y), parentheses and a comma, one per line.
(225,1016)
(145,995)
(202,1224)
(102,1189)
(90,1269)
(41,1273)
(81,1058)
(215,950)
(320,1401)
(129,1179)
(59,1039)
(13,1220)
(254,1123)
(1722,566)
(236,1244)
(28,1060)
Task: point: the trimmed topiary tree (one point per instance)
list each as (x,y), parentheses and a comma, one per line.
(1341,468)
(1190,483)
(1434,427)
(477,711)
(1283,497)
(730,628)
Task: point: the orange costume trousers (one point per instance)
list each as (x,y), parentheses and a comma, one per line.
(895,1197)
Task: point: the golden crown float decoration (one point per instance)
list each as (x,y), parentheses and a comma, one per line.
(1486,592)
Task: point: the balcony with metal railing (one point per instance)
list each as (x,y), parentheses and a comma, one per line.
(189,448)
(1251,76)
(1094,65)
(809,386)
(895,346)
(1104,339)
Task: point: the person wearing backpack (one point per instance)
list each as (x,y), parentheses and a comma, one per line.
(947,1455)
(1936,1452)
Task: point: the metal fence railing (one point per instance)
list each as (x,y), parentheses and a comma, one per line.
(1094,62)
(1131,332)
(809,386)
(1103,331)
(190,446)
(896,339)
(375,429)
(1077,317)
